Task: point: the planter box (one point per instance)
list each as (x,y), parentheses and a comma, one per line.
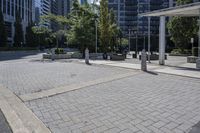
(153,57)
(180,55)
(77,55)
(96,55)
(117,57)
(192,59)
(56,56)
(198,64)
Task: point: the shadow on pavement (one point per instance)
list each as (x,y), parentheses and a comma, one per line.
(5,56)
(184,68)
(152,73)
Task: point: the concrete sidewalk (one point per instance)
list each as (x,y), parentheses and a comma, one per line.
(19,118)
(187,69)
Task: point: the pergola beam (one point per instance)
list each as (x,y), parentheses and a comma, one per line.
(184,10)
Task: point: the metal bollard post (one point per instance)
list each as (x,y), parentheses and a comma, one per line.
(52,54)
(144,60)
(87,56)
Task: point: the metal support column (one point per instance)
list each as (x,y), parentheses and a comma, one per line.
(162,41)
(129,40)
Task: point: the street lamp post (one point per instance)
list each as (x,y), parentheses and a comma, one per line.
(129,41)
(149,39)
(144,43)
(149,36)
(136,47)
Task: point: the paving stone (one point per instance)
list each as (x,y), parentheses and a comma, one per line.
(144,103)
(140,103)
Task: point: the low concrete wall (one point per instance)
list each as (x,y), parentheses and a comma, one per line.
(192,59)
(96,55)
(117,57)
(184,55)
(56,56)
(153,57)
(198,64)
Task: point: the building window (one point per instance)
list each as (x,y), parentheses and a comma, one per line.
(9,28)
(12,8)
(8,7)
(4,6)
(0,4)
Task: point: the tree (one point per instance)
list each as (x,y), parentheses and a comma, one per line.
(3,33)
(43,34)
(114,30)
(182,28)
(59,33)
(31,39)
(82,26)
(104,26)
(19,35)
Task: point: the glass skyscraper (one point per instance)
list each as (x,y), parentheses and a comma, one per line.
(134,26)
(10,7)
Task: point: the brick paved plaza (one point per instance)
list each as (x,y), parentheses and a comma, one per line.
(138,103)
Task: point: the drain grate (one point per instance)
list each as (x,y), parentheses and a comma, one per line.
(4,126)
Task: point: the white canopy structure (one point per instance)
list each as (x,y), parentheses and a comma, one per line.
(184,10)
(188,10)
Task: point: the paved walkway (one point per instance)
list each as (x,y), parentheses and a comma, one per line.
(183,69)
(69,96)
(143,103)
(20,118)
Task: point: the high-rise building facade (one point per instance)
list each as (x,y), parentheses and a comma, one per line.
(43,7)
(57,7)
(127,14)
(63,7)
(134,26)
(26,10)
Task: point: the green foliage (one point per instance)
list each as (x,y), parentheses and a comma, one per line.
(59,51)
(104,26)
(31,38)
(181,51)
(61,22)
(59,19)
(124,41)
(82,26)
(195,51)
(114,30)
(109,30)
(3,33)
(19,35)
(182,2)
(43,34)
(182,29)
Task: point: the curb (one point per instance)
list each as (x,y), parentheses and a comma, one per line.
(19,117)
